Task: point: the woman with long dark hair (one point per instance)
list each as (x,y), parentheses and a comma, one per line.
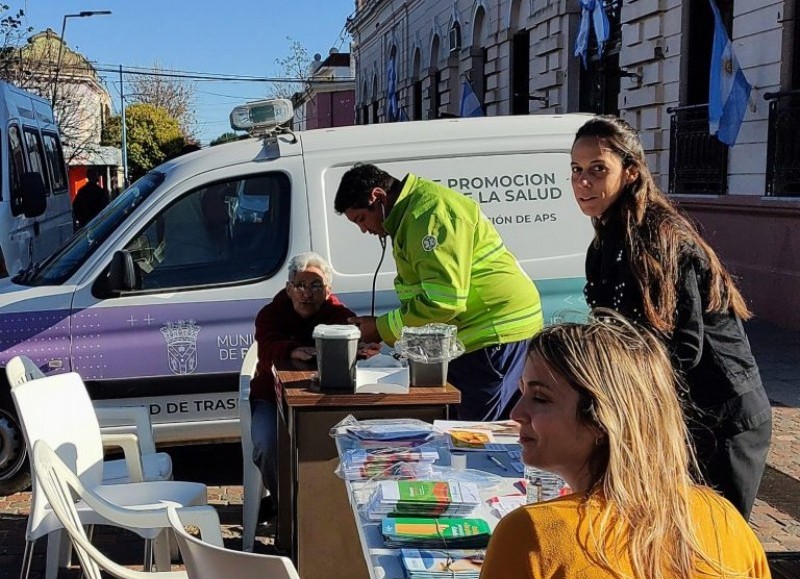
(648,262)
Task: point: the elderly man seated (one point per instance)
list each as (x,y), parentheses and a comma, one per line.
(283,331)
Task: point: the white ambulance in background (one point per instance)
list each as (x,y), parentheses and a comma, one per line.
(153,303)
(35,208)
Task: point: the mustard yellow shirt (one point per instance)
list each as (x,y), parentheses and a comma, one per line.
(551,540)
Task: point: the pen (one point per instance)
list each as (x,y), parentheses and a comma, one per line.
(495,460)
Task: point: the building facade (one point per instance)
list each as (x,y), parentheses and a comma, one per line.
(519,57)
(82,104)
(329,98)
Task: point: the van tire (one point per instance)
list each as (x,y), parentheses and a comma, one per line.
(15,476)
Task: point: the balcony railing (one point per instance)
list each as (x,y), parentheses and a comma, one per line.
(698,162)
(783,146)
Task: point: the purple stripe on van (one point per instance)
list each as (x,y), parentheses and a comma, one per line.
(163,340)
(132,342)
(42,336)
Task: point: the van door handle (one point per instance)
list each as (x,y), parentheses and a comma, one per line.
(36,228)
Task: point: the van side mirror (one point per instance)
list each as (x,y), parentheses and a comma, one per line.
(122,274)
(34,197)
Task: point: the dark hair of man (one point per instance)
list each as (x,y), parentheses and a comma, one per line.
(656,233)
(357,184)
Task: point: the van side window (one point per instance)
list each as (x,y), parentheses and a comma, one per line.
(225,233)
(36,157)
(55,162)
(16,155)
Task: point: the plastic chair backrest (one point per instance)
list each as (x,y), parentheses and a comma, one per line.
(251,476)
(60,486)
(248,371)
(57,410)
(21,369)
(205,561)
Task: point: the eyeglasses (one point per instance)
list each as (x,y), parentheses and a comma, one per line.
(315,287)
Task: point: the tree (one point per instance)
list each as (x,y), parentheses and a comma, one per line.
(174,95)
(227,138)
(12,34)
(294,66)
(80,103)
(153,136)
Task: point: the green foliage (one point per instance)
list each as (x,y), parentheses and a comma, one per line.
(153,137)
(227,138)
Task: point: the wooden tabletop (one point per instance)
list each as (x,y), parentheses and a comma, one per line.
(294,379)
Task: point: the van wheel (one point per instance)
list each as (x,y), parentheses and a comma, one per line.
(15,475)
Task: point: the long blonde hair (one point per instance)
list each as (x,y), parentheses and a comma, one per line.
(627,390)
(657,234)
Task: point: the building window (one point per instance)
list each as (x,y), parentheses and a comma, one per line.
(417,98)
(520,72)
(455,36)
(437,95)
(600,80)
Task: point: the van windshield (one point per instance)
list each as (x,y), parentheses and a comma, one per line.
(58,268)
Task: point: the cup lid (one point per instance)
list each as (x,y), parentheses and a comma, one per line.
(337,332)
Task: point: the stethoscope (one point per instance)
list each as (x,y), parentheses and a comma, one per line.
(382,239)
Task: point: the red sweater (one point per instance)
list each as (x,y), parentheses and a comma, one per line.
(279,330)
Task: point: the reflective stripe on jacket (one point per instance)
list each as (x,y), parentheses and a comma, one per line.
(452,267)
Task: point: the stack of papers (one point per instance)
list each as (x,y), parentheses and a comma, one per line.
(422,564)
(423,498)
(363,464)
(441,533)
(501,506)
(386,433)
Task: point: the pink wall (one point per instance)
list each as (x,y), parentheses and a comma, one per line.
(331,109)
(759,241)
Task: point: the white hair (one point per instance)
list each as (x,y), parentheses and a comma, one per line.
(302,261)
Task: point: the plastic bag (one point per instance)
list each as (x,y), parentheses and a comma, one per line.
(429,344)
(386,448)
(385,429)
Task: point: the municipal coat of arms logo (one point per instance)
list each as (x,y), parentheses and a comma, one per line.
(181,339)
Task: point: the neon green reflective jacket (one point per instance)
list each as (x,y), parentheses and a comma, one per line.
(452,267)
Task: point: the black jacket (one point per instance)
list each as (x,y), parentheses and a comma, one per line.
(710,350)
(89,201)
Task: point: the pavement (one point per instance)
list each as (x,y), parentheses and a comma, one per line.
(775,518)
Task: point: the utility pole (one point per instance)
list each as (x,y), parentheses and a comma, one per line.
(82,14)
(124,130)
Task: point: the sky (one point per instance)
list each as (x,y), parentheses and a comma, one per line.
(238,37)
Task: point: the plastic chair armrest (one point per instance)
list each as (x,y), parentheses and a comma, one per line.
(204,517)
(129,443)
(138,416)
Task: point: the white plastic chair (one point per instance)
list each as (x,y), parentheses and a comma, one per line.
(141,461)
(254,489)
(62,487)
(206,561)
(57,410)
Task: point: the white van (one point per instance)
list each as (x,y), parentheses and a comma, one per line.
(35,208)
(154,302)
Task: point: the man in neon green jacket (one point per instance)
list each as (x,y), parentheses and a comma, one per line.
(452,267)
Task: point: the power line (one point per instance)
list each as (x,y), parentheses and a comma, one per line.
(197,76)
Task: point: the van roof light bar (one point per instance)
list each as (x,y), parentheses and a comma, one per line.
(262,118)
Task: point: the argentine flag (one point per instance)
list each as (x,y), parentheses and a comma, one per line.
(470,105)
(391,91)
(728,89)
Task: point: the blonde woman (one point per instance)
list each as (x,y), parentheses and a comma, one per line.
(598,408)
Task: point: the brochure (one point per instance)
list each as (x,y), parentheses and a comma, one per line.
(444,532)
(430,564)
